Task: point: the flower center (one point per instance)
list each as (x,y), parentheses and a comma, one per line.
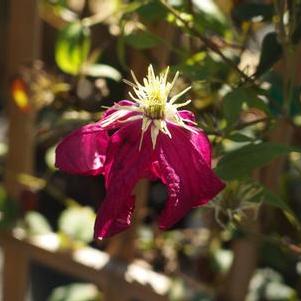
(153,106)
(152,95)
(155,111)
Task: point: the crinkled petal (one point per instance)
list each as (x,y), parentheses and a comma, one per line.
(125,165)
(190,180)
(199,139)
(202,144)
(83,151)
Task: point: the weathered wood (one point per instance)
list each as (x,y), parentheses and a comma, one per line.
(3,36)
(23,45)
(15,273)
(243,266)
(131,281)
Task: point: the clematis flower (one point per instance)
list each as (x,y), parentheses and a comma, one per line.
(148,137)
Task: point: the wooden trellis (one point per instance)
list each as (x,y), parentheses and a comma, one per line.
(117,280)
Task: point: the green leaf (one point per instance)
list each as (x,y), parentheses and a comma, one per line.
(234,100)
(102,70)
(272,199)
(232,104)
(142,40)
(238,137)
(36,223)
(75,292)
(253,12)
(268,197)
(8,210)
(271,52)
(152,11)
(241,162)
(120,48)
(77,223)
(209,21)
(202,67)
(72,47)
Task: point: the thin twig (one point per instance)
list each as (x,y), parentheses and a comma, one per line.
(240,126)
(250,123)
(207,42)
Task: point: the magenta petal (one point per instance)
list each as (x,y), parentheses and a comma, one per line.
(125,165)
(83,151)
(198,139)
(187,115)
(114,118)
(202,144)
(189,179)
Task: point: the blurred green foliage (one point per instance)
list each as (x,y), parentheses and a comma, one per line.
(232,54)
(72,47)
(76,292)
(8,210)
(77,223)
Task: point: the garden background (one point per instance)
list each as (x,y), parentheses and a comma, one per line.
(62,63)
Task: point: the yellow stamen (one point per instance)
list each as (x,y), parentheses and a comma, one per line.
(152,96)
(153,105)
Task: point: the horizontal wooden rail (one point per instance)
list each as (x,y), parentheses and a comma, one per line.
(117,280)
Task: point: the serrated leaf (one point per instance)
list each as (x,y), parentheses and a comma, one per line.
(77,223)
(271,52)
(241,162)
(72,47)
(142,40)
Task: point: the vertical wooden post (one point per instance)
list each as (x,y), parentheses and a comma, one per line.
(3,34)
(15,273)
(23,45)
(243,266)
